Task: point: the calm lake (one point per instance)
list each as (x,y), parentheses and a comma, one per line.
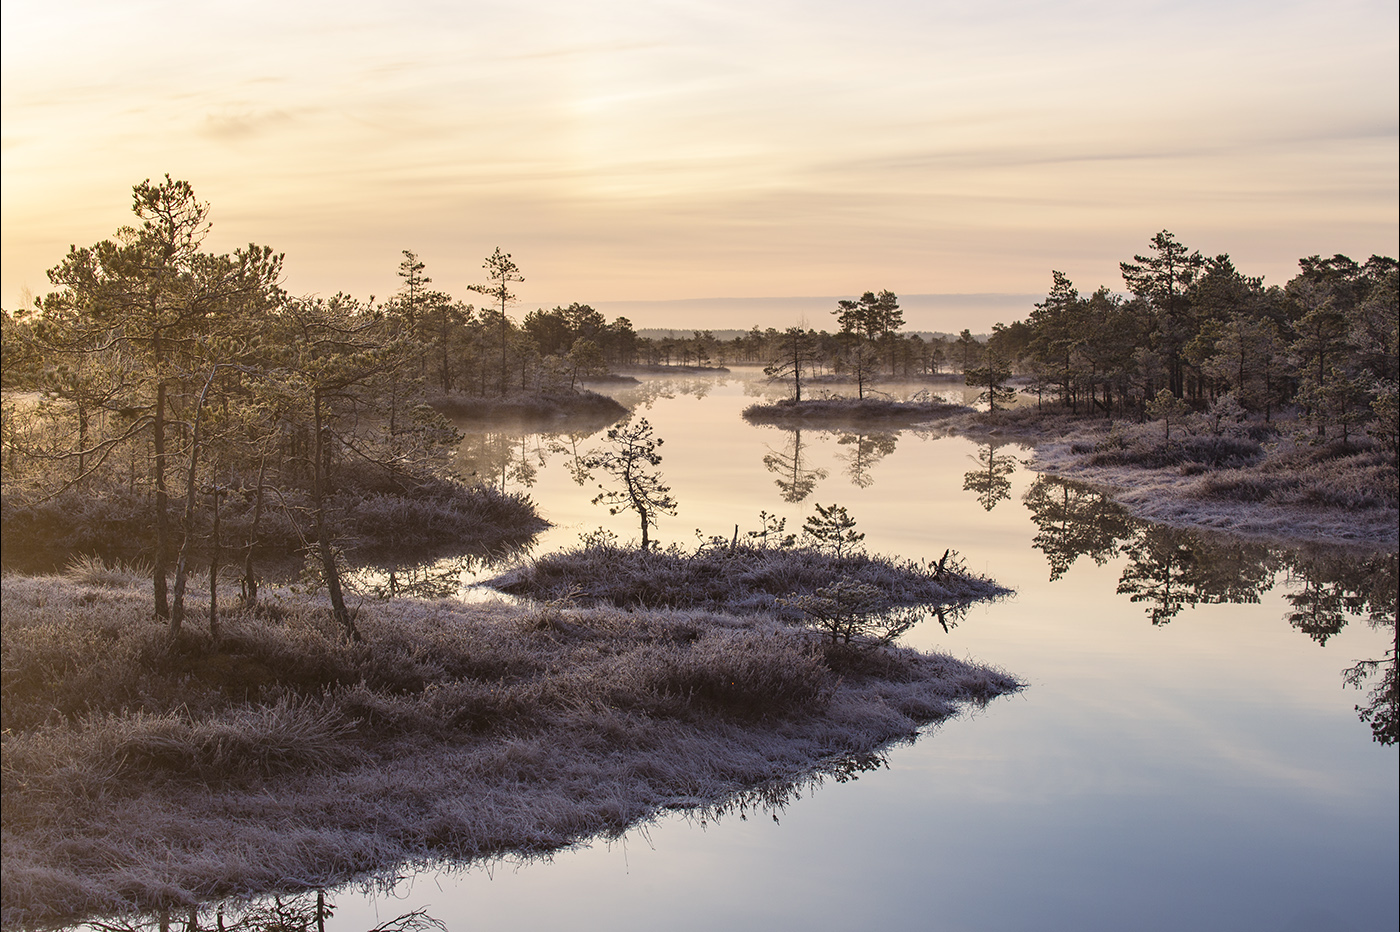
(1185,756)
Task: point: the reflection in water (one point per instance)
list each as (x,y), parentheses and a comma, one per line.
(576,461)
(651,390)
(434,579)
(794,480)
(990,480)
(305,912)
(772,798)
(1074,521)
(1170,569)
(506,457)
(1160,570)
(863,452)
(484,457)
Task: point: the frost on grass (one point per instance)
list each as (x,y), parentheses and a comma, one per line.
(1287,489)
(143,774)
(741,578)
(581,405)
(855,411)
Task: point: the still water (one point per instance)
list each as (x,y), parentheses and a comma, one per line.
(1185,755)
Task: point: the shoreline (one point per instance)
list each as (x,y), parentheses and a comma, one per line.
(1176,496)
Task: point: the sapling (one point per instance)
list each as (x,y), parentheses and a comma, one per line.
(1166,408)
(833,529)
(855,612)
(634,449)
(772,532)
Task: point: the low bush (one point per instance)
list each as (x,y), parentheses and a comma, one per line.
(1327,476)
(1203,451)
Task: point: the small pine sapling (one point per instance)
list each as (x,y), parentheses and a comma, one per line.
(833,529)
(633,450)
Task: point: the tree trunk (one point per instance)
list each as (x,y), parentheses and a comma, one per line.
(161,563)
(250,578)
(328,567)
(214,574)
(177,616)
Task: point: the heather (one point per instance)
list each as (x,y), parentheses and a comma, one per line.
(144,772)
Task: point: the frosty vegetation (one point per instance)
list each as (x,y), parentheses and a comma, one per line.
(836,411)
(140,772)
(824,578)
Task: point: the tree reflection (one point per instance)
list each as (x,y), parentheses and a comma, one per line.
(437,579)
(863,453)
(794,480)
(305,912)
(503,458)
(1337,585)
(1074,521)
(577,462)
(1160,563)
(990,480)
(485,457)
(650,390)
(1167,568)
(1170,569)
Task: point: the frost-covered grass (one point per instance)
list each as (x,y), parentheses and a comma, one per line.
(373,511)
(533,406)
(849,411)
(143,774)
(739,578)
(1266,482)
(676,369)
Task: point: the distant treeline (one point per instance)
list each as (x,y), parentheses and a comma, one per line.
(1206,333)
(1192,326)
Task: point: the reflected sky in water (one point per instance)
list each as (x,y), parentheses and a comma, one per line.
(1186,755)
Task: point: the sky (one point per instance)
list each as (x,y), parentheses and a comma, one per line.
(644,156)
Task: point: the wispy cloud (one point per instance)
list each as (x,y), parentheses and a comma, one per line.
(235,127)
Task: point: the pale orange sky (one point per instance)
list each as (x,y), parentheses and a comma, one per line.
(633,151)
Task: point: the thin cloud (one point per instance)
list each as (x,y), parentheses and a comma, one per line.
(236,127)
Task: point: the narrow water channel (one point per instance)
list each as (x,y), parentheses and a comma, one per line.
(1186,755)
